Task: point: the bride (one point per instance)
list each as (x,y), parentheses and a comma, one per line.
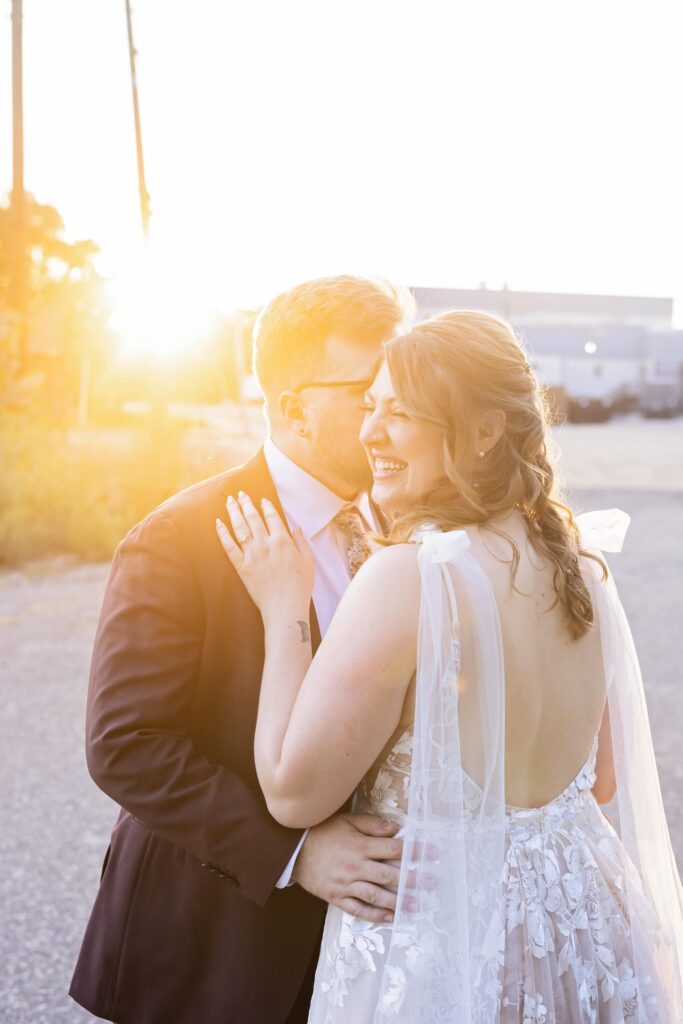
(478,686)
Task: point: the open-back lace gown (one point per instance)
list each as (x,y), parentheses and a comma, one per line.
(565,928)
(574,942)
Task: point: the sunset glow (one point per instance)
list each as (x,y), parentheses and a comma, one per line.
(286,141)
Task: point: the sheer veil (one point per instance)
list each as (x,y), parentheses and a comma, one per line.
(637,803)
(445,959)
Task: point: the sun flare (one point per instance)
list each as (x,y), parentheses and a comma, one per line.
(158,313)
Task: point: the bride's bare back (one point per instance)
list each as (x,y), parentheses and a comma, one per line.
(554,684)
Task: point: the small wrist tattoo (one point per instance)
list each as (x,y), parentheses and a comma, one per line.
(305,631)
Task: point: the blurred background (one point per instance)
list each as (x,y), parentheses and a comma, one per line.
(165,168)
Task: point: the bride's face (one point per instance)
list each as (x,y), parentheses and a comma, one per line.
(405,453)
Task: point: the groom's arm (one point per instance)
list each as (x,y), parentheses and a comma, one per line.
(145,663)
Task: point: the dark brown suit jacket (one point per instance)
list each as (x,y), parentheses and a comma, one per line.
(187,925)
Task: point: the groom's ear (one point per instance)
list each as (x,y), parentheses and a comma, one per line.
(292,409)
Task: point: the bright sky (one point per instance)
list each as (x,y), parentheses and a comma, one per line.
(437,142)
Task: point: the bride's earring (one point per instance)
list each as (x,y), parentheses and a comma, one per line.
(482,454)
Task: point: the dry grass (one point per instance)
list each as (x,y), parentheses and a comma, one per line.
(79,493)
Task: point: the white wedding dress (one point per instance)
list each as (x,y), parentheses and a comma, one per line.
(523,916)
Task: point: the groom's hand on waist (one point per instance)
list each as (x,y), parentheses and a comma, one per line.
(346,861)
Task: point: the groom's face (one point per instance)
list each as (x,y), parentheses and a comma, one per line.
(334,413)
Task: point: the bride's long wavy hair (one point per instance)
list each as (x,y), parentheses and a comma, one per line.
(460,363)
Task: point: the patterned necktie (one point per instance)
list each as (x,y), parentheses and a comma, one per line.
(350,522)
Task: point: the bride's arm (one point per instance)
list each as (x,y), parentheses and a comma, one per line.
(321,724)
(313,750)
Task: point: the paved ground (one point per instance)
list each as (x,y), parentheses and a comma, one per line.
(56,823)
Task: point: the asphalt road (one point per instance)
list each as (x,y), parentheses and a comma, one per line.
(55,823)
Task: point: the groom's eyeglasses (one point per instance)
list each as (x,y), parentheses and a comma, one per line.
(354,385)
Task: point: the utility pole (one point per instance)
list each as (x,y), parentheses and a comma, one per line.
(18,282)
(142,186)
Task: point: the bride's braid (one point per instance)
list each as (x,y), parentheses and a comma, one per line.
(553,532)
(461,362)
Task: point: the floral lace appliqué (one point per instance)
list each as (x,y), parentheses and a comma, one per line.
(564,918)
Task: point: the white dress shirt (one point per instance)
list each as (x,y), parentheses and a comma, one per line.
(311,505)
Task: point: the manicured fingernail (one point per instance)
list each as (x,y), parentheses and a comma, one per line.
(219,524)
(388,918)
(241,495)
(231,500)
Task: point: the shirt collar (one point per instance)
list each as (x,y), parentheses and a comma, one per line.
(307,502)
(363,505)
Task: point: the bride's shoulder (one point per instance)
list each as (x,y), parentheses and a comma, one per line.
(382,602)
(390,573)
(392,561)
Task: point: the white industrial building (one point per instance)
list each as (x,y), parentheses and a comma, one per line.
(603,352)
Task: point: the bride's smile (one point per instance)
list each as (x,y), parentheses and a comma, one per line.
(403,451)
(385,467)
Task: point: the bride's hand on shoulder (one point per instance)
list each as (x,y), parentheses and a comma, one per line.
(277,569)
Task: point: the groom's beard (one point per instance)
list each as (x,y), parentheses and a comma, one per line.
(344,460)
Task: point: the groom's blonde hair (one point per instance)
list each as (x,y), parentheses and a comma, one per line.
(291,331)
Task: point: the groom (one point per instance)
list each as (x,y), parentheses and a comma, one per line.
(209,911)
